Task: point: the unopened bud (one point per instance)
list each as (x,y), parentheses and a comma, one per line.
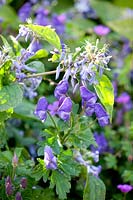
(15,160)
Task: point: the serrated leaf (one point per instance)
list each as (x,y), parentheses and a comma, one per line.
(105,92)
(47,33)
(94,189)
(10,96)
(61,183)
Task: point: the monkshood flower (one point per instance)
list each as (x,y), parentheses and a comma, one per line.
(88,100)
(125,188)
(18,196)
(62,108)
(49,159)
(8,186)
(65,108)
(101,30)
(41,109)
(94,170)
(58,22)
(61,89)
(24,12)
(101,142)
(101,114)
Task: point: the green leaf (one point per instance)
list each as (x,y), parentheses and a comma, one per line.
(37,65)
(105,92)
(47,33)
(124,27)
(8,15)
(10,96)
(112,12)
(7,46)
(94,189)
(6,114)
(25,110)
(42,53)
(62,184)
(111,161)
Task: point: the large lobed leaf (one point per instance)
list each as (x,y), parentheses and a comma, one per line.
(94,189)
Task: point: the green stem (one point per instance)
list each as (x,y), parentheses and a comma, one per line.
(53,121)
(125,194)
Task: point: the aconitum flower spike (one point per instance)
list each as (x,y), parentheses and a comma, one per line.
(61,89)
(101,114)
(125,188)
(65,108)
(18,196)
(49,158)
(23,183)
(8,186)
(41,109)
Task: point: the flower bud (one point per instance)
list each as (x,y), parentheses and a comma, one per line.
(8,186)
(18,196)
(15,160)
(23,183)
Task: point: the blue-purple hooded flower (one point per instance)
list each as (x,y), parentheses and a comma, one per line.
(101,114)
(61,89)
(49,159)
(65,108)
(41,109)
(88,100)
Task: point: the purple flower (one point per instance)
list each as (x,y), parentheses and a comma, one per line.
(8,186)
(123,98)
(41,109)
(101,114)
(101,142)
(61,89)
(101,30)
(15,160)
(88,100)
(62,108)
(125,188)
(49,158)
(23,183)
(65,108)
(42,17)
(24,12)
(58,23)
(18,196)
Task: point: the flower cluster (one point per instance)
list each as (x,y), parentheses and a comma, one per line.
(125,188)
(62,107)
(90,106)
(82,66)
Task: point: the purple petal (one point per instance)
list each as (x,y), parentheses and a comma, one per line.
(49,158)
(101,114)
(61,89)
(87,95)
